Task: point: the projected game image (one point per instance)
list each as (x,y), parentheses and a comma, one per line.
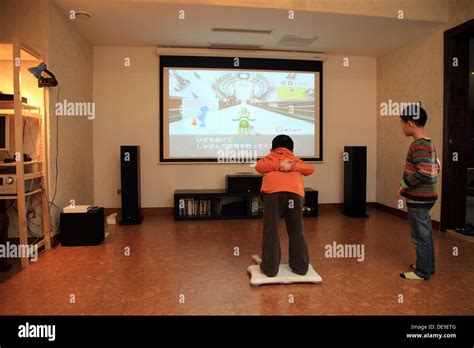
(212,110)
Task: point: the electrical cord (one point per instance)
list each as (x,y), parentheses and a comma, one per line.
(51,202)
(31,232)
(57,154)
(11,203)
(37,225)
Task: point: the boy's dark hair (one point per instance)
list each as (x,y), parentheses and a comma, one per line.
(282,140)
(415,113)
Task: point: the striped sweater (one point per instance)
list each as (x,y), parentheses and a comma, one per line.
(420,177)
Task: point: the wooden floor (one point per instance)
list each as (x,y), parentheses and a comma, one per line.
(196,259)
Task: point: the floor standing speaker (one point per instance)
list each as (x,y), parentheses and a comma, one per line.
(130,182)
(355,181)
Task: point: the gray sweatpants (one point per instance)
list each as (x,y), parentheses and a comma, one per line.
(288,205)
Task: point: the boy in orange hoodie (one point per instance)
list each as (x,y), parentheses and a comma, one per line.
(283,195)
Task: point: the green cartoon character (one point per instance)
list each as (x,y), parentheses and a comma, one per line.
(244,122)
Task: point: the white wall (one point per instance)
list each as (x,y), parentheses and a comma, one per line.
(413,72)
(127,113)
(70,58)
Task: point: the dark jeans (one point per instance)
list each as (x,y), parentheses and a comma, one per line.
(422,236)
(288,205)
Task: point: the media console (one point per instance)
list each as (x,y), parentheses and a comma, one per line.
(220,204)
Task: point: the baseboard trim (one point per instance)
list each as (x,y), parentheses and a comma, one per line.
(166,211)
(339,206)
(402,214)
(460,235)
(158,211)
(329,207)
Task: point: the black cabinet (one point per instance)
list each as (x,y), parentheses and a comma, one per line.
(220,204)
(82,228)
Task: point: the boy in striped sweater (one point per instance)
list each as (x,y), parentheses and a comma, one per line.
(419,187)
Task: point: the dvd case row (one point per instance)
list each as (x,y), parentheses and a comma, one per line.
(199,207)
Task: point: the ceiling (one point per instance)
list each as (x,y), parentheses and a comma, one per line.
(120,23)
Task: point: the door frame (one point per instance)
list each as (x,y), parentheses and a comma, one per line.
(456,111)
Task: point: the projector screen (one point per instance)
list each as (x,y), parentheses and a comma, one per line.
(219,109)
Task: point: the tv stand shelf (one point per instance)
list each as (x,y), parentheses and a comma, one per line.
(215,204)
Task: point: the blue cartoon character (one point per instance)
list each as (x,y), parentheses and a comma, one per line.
(202,116)
(244,122)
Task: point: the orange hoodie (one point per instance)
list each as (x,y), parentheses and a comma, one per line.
(275,180)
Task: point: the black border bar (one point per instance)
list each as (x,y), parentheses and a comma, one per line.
(222,330)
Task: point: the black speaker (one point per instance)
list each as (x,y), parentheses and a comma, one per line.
(241,183)
(130,181)
(310,202)
(82,228)
(355,181)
